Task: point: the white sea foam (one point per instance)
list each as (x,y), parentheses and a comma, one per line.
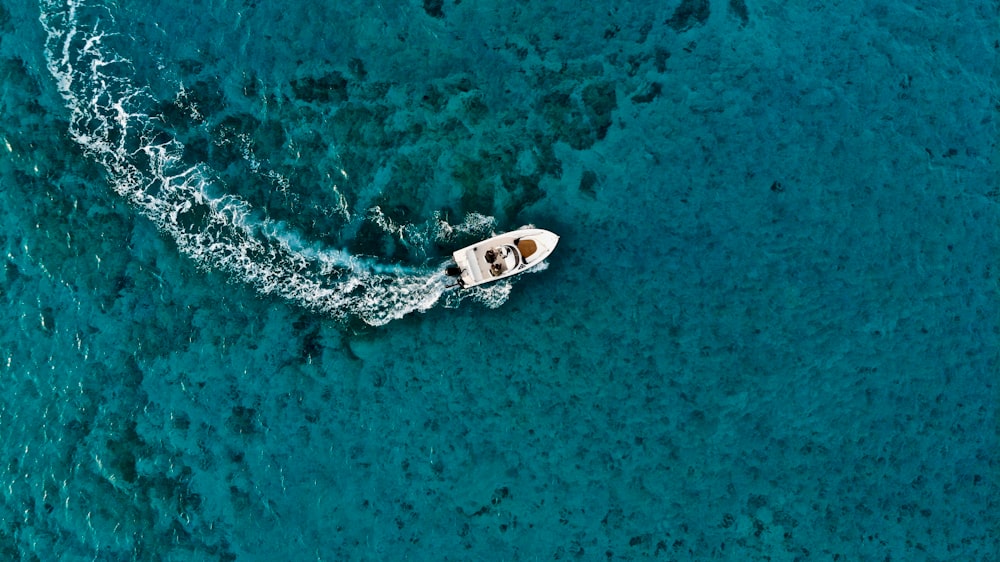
(111,119)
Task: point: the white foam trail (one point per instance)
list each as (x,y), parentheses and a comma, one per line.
(110,119)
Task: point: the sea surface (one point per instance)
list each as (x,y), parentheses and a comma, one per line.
(770,330)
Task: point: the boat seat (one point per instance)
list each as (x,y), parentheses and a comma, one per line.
(526,247)
(473,262)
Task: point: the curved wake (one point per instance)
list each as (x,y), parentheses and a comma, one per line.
(113,121)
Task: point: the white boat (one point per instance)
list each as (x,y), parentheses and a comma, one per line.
(502,256)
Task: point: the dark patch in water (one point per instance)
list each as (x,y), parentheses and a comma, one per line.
(331,87)
(191,67)
(241,420)
(601,99)
(11,273)
(123,451)
(652,92)
(48,319)
(739,9)
(588,183)
(434,8)
(357,68)
(689,14)
(660,58)
(307,328)
(5,20)
(581,127)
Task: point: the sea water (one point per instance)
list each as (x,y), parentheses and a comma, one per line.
(770,329)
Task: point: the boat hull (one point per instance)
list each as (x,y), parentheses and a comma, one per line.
(503,256)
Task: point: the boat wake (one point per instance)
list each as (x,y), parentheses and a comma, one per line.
(115,122)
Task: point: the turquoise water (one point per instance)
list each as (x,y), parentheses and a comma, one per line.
(770,330)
